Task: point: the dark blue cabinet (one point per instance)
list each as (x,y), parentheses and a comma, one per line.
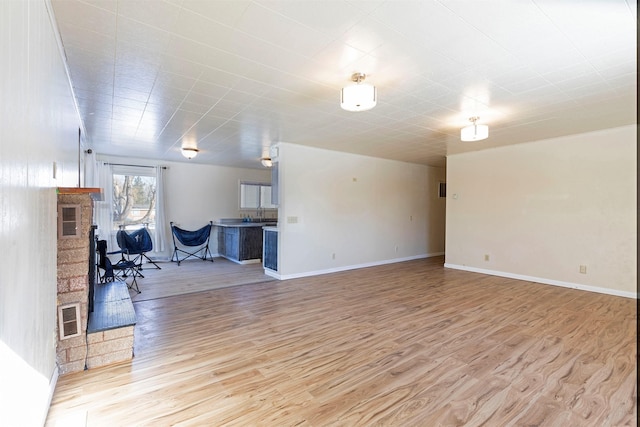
(270,259)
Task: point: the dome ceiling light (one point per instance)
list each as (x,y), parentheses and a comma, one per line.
(189,152)
(360,96)
(474,132)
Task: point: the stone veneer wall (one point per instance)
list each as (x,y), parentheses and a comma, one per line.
(73,282)
(113,345)
(97,348)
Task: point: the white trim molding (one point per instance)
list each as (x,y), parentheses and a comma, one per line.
(351,267)
(544,281)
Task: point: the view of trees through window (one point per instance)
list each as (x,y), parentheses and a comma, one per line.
(134,201)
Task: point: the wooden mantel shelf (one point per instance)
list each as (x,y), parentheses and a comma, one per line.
(96,193)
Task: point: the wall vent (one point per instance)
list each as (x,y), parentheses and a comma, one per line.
(442,190)
(69,221)
(69,320)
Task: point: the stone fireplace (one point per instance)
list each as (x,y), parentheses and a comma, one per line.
(79,344)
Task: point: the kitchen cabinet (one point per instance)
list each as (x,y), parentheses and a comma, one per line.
(270,259)
(241,243)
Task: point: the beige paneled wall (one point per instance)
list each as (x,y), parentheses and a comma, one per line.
(38,127)
(541,210)
(340,211)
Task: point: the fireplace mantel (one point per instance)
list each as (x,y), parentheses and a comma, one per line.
(94,192)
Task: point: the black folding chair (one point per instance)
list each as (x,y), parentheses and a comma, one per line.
(118,271)
(191,239)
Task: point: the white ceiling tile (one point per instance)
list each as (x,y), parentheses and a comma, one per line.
(132,94)
(90,42)
(225,109)
(330,17)
(129,104)
(195,27)
(209,124)
(137,60)
(181,67)
(624,83)
(337,56)
(239,97)
(522,86)
(251,86)
(168,79)
(239,75)
(303,40)
(263,23)
(142,36)
(218,77)
(616,57)
(198,103)
(226,12)
(83,15)
(158,13)
(167,96)
(601,24)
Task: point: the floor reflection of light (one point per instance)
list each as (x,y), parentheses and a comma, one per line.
(72,419)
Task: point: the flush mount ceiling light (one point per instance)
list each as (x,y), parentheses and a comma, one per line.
(266,162)
(189,152)
(474,132)
(360,96)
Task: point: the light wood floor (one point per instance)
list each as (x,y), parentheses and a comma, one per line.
(408,344)
(194,275)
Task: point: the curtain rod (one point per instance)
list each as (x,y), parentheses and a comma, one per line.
(135,166)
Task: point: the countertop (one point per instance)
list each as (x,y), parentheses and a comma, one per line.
(246,224)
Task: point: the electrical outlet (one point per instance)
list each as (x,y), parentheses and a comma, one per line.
(292,220)
(396,248)
(486,257)
(333,256)
(583,269)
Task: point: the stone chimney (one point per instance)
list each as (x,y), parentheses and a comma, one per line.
(75,256)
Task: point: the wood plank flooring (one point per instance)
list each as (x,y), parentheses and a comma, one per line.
(407,344)
(195,275)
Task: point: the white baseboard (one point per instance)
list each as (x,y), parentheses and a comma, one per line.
(52,388)
(545,281)
(272,273)
(353,266)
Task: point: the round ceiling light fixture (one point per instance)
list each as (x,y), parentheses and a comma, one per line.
(189,152)
(360,96)
(474,132)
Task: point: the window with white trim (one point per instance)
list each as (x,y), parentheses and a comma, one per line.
(134,197)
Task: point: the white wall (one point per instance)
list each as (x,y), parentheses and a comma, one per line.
(38,126)
(197,194)
(356,207)
(542,209)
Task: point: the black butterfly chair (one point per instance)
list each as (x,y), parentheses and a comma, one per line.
(118,271)
(134,247)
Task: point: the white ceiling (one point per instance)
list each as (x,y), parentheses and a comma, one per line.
(238,76)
